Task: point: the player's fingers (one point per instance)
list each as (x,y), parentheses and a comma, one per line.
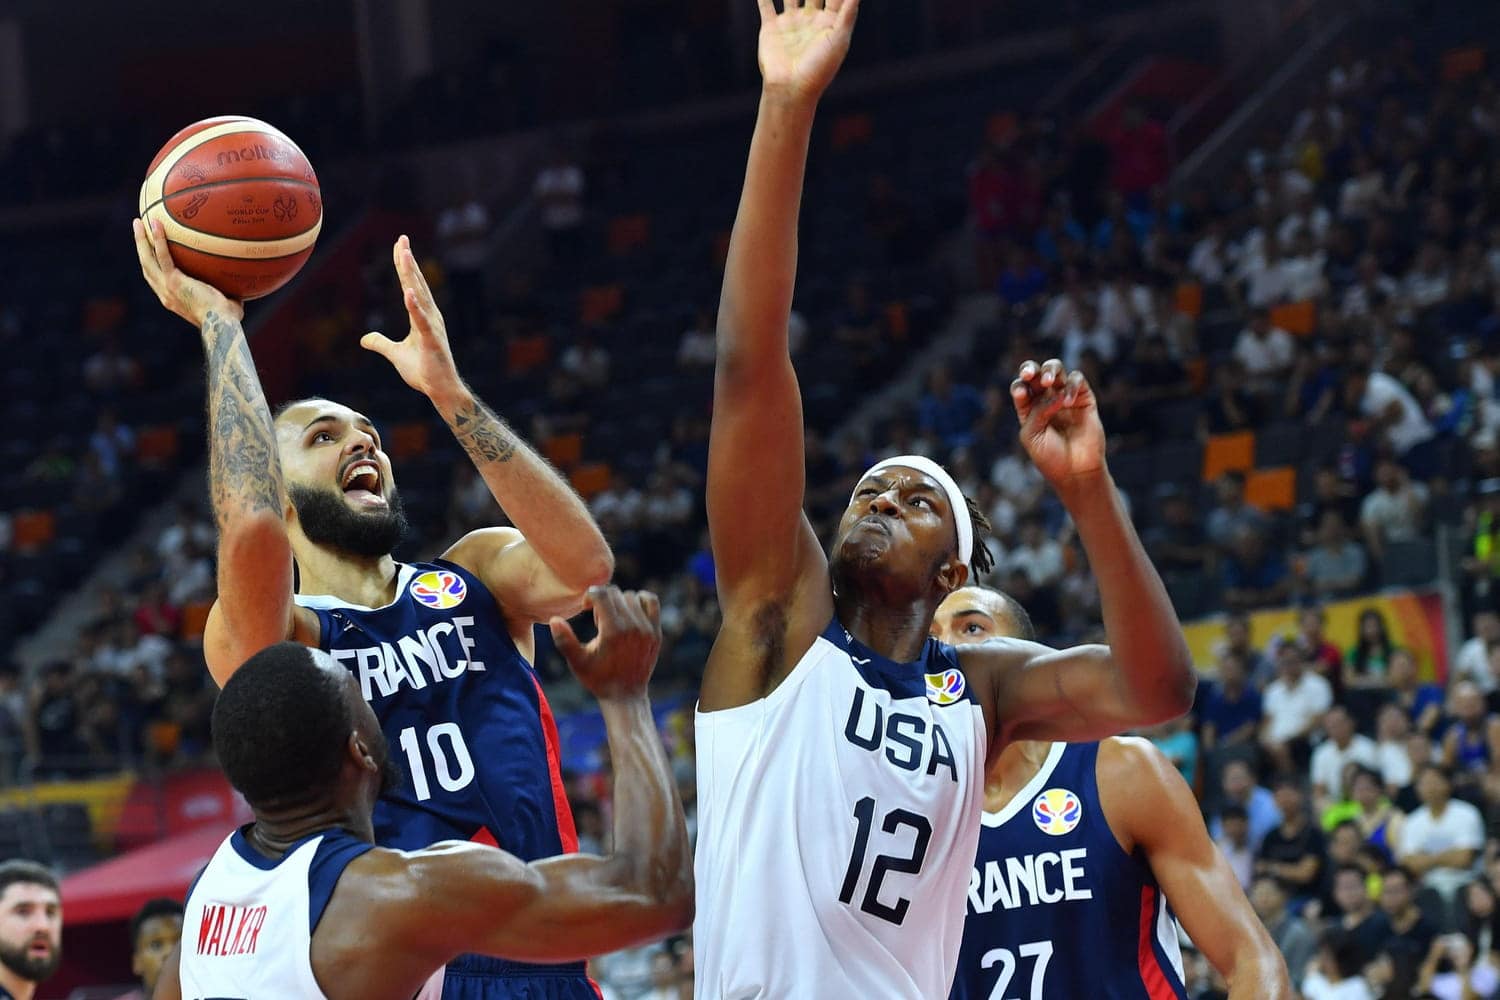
(651,607)
(1020,395)
(1052,372)
(847,10)
(607,610)
(767,10)
(379,343)
(160,248)
(566,640)
(417,311)
(143,249)
(1074,386)
(1044,409)
(1029,371)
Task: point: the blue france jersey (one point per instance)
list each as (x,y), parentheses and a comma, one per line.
(465,715)
(462,711)
(1056,908)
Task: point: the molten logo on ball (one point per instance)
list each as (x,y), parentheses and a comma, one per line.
(1056,811)
(439,589)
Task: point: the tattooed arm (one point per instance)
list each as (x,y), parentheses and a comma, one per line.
(255,607)
(545,564)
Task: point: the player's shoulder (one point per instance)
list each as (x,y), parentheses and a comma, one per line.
(1136,762)
(475,550)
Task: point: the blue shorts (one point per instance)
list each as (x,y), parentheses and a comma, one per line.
(478,977)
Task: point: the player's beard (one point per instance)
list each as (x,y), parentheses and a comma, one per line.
(32,970)
(327,520)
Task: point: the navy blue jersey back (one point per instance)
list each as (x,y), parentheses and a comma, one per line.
(462,711)
(1056,908)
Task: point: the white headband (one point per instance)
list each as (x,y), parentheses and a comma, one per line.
(955,496)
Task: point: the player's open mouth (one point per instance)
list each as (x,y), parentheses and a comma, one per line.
(361,483)
(41,949)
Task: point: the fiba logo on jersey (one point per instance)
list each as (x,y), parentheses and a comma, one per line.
(1056,811)
(945,688)
(439,589)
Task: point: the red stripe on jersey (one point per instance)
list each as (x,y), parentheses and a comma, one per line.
(485,837)
(1153,976)
(565,829)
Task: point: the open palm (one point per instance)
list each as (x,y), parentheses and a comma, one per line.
(802,47)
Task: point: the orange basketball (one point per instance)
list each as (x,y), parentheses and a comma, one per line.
(239,203)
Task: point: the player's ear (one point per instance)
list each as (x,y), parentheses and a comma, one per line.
(952,575)
(359,752)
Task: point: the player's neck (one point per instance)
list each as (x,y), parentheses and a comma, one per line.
(1018,763)
(366,581)
(274,833)
(21,989)
(897,633)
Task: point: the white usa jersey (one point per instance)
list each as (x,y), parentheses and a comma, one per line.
(837,823)
(247,930)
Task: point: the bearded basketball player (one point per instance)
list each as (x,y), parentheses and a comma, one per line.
(442,650)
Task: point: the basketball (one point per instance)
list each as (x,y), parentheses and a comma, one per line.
(239,203)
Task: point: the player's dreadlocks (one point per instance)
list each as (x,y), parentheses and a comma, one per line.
(982,561)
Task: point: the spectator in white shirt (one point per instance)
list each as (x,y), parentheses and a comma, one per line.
(1267,353)
(1440,840)
(698,347)
(1088,333)
(1210,257)
(586,361)
(1039,557)
(1371,290)
(1426,284)
(1393,732)
(1394,511)
(1293,704)
(1342,748)
(1473,660)
(1235,844)
(1264,275)
(1364,192)
(1336,973)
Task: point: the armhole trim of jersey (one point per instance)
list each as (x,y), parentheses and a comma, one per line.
(819,649)
(1029,791)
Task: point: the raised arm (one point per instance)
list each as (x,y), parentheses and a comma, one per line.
(764,549)
(1145,675)
(254,608)
(556,552)
(455,898)
(1150,807)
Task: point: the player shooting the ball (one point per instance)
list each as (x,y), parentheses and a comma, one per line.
(442,651)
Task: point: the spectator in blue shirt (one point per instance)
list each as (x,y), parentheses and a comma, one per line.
(949,411)
(1255,576)
(1230,711)
(1239,788)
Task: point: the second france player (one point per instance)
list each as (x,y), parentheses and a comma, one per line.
(1086,852)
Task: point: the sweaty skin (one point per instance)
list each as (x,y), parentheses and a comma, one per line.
(1147,806)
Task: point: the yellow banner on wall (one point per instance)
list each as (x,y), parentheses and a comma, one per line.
(1413,619)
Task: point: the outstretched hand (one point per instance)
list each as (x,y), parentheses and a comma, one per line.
(802,47)
(1060,426)
(618,661)
(186,296)
(422,358)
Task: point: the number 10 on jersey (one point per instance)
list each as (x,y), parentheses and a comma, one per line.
(864,818)
(451,766)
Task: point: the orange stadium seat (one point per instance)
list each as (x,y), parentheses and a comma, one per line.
(591,478)
(1228,452)
(629,232)
(1459,63)
(525,353)
(563,450)
(194,620)
(156,445)
(1300,318)
(1188,299)
(852,130)
(407,440)
(33,529)
(1272,489)
(600,303)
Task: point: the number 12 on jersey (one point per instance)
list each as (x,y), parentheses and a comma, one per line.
(864,816)
(453,767)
